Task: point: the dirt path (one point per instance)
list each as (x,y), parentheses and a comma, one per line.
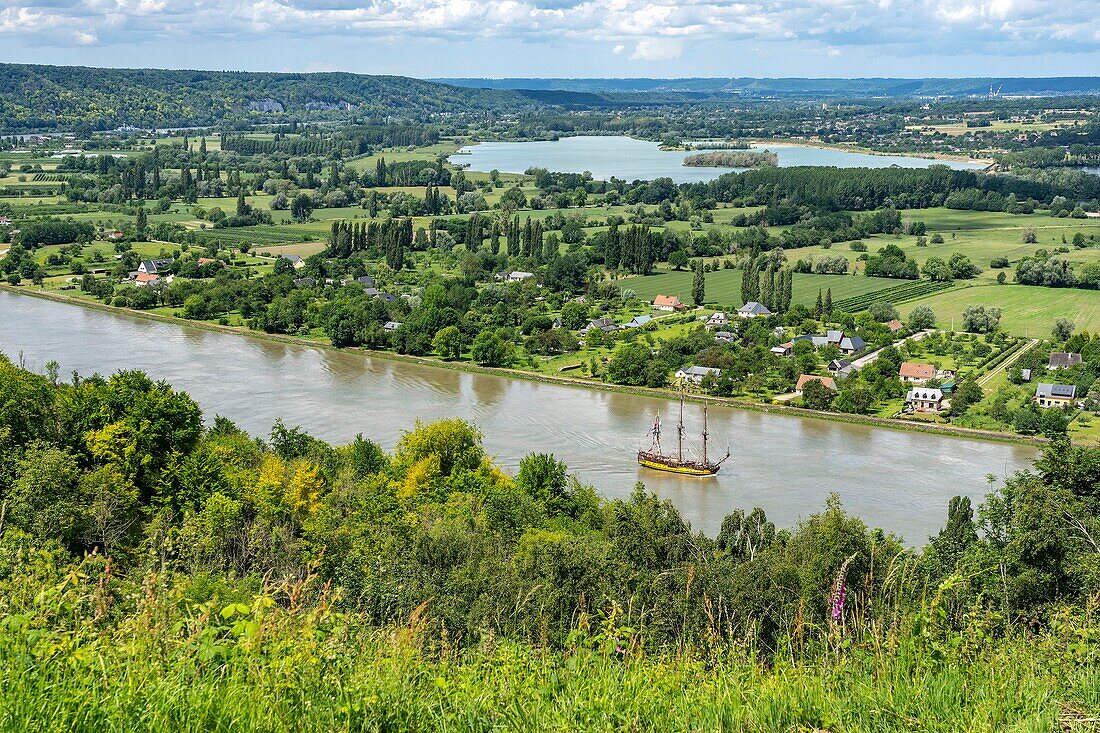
(1008,362)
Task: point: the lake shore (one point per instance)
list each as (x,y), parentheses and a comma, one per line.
(806,143)
(567,381)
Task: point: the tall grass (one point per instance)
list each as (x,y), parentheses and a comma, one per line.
(78,657)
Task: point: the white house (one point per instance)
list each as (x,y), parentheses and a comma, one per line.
(752,309)
(717,320)
(518,277)
(925,399)
(694,375)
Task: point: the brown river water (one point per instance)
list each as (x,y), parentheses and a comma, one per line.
(900,481)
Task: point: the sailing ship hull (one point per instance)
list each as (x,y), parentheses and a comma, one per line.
(671,465)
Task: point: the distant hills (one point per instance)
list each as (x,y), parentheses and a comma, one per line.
(65,97)
(34,98)
(800,88)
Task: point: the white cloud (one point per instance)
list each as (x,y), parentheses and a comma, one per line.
(656,30)
(832,52)
(657,49)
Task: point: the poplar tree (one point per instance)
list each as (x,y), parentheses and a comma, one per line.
(698,284)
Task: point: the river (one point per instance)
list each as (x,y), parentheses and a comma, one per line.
(630,159)
(896,480)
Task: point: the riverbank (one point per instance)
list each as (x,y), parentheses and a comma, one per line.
(806,143)
(561,380)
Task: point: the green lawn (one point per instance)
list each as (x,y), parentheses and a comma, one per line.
(724,286)
(1025,310)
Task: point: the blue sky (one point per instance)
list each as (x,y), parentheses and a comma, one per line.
(657,38)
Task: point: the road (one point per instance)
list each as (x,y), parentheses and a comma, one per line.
(865,360)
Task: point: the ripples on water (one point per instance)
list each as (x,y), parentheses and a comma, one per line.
(787,465)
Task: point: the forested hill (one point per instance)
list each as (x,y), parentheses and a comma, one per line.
(795,88)
(63,97)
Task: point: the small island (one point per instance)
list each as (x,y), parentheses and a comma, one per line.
(733,159)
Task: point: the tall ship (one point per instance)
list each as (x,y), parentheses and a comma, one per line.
(657,459)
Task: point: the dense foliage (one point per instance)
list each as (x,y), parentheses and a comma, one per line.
(131,529)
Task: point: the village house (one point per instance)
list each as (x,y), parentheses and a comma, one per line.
(752,309)
(1055,395)
(153,267)
(783,349)
(894,325)
(295,261)
(604,324)
(924,399)
(804,379)
(667,303)
(723,337)
(717,320)
(851,344)
(518,276)
(696,374)
(305,282)
(146,278)
(913,373)
(391,326)
(840,368)
(386,297)
(638,321)
(1063,360)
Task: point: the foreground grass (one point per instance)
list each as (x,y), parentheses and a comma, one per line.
(243,668)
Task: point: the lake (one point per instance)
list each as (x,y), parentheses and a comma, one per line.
(897,480)
(630,159)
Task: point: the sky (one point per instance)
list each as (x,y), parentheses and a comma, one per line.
(565,38)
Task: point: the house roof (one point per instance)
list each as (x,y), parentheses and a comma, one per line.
(292,258)
(804,378)
(718,316)
(1061,391)
(894,325)
(925,394)
(667,300)
(755,309)
(912,370)
(1063,359)
(146,277)
(699,371)
(391,325)
(838,364)
(600,323)
(852,343)
(640,321)
(834,336)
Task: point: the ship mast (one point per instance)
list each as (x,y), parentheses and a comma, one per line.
(680,429)
(705,433)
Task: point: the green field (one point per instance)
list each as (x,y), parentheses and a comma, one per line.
(724,286)
(1025,310)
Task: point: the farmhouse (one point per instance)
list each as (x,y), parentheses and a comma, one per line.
(518,276)
(668,303)
(894,325)
(783,349)
(1063,360)
(805,379)
(146,278)
(840,367)
(924,399)
(1055,395)
(752,309)
(604,324)
(851,344)
(694,375)
(718,320)
(638,321)
(913,373)
(295,261)
(152,267)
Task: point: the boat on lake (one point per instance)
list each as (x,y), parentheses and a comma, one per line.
(658,460)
